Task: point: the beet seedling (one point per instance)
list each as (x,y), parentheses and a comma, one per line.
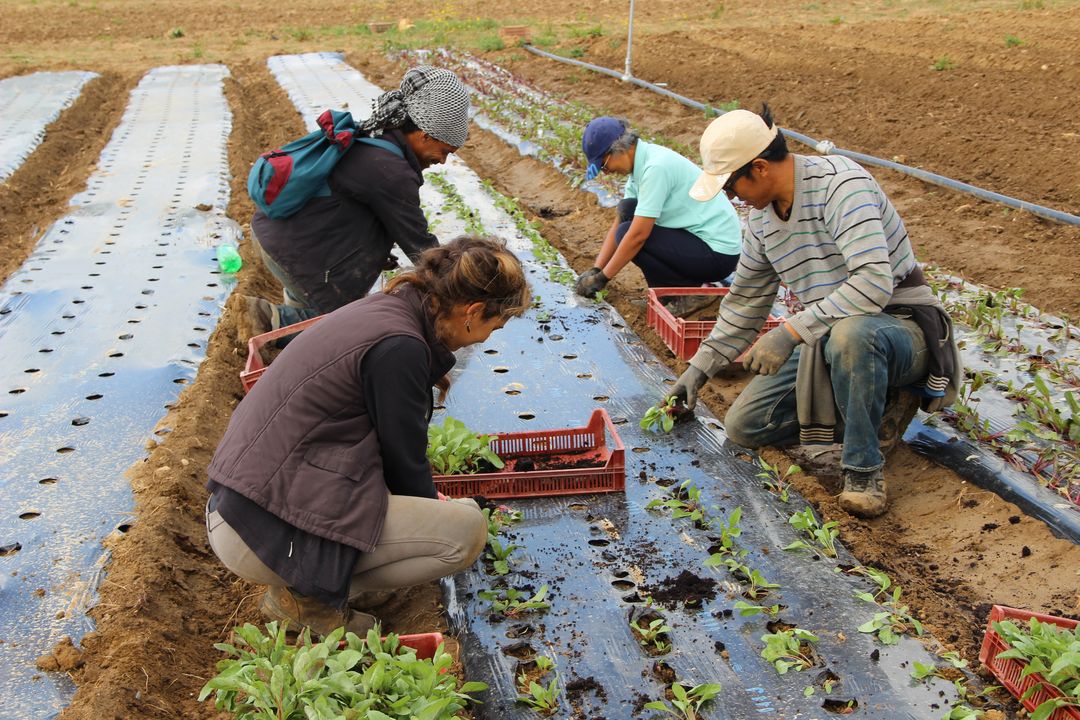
(653,634)
(789,649)
(684,503)
(660,416)
(543,699)
(454,449)
(500,518)
(824,535)
(773,481)
(686,702)
(512,602)
(759,586)
(499,555)
(745,609)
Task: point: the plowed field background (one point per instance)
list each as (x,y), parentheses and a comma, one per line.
(1000,114)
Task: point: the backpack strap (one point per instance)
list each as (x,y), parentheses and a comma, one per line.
(384,144)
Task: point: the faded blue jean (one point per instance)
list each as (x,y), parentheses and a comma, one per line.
(866,355)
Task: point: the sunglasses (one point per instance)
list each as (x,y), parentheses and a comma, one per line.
(729,186)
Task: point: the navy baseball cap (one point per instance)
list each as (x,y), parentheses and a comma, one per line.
(596,141)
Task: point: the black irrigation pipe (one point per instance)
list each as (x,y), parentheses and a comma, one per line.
(826,147)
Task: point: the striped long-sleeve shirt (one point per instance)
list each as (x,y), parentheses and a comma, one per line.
(842,251)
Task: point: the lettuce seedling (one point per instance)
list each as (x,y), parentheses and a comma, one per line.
(686,702)
(785,649)
(660,416)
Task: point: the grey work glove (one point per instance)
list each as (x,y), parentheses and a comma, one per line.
(770,352)
(591,282)
(686,388)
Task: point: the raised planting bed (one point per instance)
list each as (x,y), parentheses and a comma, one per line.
(1031,689)
(256,363)
(683,337)
(541,463)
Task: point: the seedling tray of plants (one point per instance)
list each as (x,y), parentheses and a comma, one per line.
(541,463)
(683,337)
(1015,673)
(256,363)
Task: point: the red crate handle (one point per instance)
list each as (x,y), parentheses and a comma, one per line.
(256,342)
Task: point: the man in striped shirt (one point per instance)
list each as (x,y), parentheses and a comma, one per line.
(823,227)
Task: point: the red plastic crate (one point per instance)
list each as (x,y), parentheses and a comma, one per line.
(683,337)
(424,644)
(572,444)
(1008,670)
(255,367)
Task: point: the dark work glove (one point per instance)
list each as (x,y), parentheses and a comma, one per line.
(770,352)
(391,263)
(686,388)
(591,282)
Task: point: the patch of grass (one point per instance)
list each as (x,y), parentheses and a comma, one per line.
(717,11)
(836,20)
(197,51)
(1013,41)
(1031,4)
(490,43)
(176,32)
(944,63)
(588,32)
(576,52)
(300,34)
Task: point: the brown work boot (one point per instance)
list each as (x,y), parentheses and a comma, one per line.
(686,305)
(864,493)
(282,604)
(256,316)
(368,599)
(900,408)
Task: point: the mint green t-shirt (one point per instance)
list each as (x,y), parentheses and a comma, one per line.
(661,182)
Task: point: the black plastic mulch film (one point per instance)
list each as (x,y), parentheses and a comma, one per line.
(101,328)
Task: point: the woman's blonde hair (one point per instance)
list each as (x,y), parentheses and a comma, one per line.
(466,270)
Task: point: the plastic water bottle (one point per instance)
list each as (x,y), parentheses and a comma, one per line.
(228,258)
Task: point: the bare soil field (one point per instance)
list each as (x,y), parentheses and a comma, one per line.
(861,75)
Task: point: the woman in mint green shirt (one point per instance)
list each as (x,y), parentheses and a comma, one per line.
(674,240)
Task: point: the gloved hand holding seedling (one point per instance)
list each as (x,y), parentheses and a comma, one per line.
(662,415)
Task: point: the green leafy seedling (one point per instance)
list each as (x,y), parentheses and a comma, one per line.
(824,535)
(660,416)
(454,449)
(686,702)
(653,634)
(544,699)
(789,649)
(746,609)
(499,555)
(775,482)
(342,676)
(512,602)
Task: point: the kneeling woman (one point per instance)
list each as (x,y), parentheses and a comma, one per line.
(321,488)
(674,240)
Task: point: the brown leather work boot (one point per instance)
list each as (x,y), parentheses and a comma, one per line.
(900,408)
(256,316)
(282,604)
(864,493)
(368,599)
(683,306)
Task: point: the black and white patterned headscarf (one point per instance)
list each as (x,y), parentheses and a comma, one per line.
(435,100)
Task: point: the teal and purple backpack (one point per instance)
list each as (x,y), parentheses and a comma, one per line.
(282,181)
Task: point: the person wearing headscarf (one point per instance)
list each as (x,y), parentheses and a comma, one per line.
(332,250)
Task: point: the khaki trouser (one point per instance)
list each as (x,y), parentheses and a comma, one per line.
(422,540)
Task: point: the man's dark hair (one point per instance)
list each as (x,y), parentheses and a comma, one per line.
(777,149)
(773,152)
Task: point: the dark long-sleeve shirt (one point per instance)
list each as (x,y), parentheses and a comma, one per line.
(397,380)
(334,247)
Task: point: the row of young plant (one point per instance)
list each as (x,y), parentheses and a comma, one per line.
(790,647)
(998,328)
(1043,441)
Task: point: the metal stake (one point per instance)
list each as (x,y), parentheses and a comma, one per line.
(629,43)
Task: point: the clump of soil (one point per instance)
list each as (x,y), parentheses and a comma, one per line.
(65,657)
(687,588)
